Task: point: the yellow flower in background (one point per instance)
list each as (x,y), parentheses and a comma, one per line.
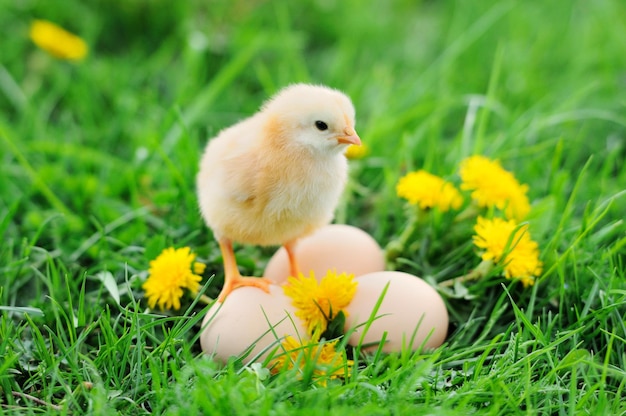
(318,303)
(357,152)
(171,272)
(329,363)
(506,243)
(493,186)
(57,41)
(428,191)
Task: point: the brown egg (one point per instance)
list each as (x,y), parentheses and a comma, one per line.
(412,314)
(337,246)
(249,321)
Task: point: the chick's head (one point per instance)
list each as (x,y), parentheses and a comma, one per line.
(319,118)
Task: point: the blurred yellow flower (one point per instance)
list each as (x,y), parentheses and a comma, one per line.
(357,152)
(506,243)
(428,191)
(318,303)
(57,41)
(493,186)
(171,272)
(328,362)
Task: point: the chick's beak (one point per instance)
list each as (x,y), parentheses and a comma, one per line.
(349,137)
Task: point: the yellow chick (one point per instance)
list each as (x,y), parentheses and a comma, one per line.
(277,175)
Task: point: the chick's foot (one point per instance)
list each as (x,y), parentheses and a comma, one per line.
(241,281)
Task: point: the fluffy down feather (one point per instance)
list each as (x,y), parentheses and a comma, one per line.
(278,175)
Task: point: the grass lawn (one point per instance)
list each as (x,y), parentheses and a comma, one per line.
(98,161)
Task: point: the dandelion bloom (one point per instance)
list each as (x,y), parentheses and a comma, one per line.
(493,186)
(171,272)
(428,191)
(327,360)
(57,41)
(506,243)
(357,152)
(318,303)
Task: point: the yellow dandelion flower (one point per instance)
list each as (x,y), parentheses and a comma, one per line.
(428,191)
(57,41)
(493,186)
(329,363)
(506,243)
(357,152)
(318,303)
(171,272)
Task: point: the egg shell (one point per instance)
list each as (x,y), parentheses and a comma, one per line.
(339,247)
(409,303)
(246,317)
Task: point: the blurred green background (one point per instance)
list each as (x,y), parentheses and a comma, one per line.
(98,158)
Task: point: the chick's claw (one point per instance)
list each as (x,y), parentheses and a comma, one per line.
(241,281)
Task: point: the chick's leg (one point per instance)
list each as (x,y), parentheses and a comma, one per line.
(232,278)
(290,247)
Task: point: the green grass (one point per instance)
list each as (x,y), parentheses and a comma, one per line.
(98,161)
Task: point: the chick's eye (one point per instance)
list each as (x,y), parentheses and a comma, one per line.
(321,125)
